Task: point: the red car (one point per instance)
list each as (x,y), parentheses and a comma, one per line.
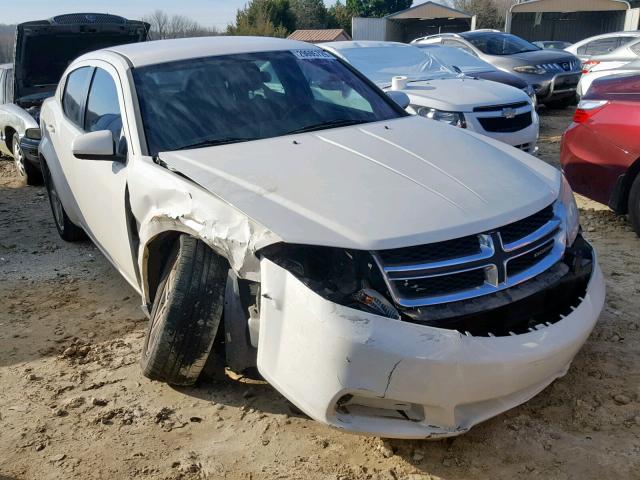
(601,148)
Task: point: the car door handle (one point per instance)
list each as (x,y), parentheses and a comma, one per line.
(51,129)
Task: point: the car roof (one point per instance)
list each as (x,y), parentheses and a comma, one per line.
(479,33)
(631,33)
(164,51)
(363,44)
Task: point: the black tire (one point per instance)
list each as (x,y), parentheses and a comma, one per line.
(634,205)
(24,167)
(67,230)
(186,314)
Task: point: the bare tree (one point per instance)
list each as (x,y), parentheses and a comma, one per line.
(490,13)
(165,26)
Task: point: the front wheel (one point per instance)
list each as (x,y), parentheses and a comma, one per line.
(186,315)
(634,205)
(24,167)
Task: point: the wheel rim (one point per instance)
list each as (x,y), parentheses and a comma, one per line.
(163,305)
(56,206)
(18,158)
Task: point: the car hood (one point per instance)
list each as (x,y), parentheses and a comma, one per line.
(535,58)
(45,48)
(462,94)
(383,185)
(500,77)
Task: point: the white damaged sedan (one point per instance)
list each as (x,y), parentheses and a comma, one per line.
(275,210)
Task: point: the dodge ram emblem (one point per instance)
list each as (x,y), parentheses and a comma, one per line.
(509,113)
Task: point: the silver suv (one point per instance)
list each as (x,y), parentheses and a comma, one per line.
(553,74)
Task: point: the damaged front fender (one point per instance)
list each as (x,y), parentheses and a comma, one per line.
(162,201)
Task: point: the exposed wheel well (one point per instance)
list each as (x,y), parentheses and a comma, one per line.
(629,177)
(158,252)
(8,136)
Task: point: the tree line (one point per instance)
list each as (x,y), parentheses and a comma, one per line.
(280,17)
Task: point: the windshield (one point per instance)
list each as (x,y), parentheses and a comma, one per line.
(380,64)
(234,98)
(500,43)
(553,45)
(457,57)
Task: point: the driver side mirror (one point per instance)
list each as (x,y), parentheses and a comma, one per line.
(96,146)
(400,98)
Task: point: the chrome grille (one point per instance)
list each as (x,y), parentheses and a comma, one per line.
(522,228)
(568,66)
(500,108)
(505,118)
(432,252)
(476,265)
(506,124)
(439,284)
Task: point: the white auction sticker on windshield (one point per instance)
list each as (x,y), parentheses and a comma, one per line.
(313,54)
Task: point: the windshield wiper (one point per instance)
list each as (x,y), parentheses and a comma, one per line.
(214,142)
(326,125)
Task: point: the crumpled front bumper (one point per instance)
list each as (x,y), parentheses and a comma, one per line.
(374,375)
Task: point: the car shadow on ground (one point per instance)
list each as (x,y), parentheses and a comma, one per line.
(244,393)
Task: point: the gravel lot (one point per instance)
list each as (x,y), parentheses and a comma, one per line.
(73,403)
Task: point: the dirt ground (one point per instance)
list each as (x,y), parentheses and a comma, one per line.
(73,403)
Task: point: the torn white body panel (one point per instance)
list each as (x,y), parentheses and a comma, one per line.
(162,201)
(355,370)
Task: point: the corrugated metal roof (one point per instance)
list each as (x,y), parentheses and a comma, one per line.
(570,6)
(325,35)
(429,10)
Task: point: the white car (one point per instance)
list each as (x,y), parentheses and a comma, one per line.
(595,73)
(388,274)
(609,45)
(489,108)
(604,55)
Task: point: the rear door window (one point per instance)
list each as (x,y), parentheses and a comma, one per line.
(599,47)
(624,40)
(103,108)
(75,92)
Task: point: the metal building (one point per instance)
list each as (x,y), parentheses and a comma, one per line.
(320,36)
(425,19)
(570,20)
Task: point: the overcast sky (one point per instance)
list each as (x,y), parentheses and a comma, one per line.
(216,13)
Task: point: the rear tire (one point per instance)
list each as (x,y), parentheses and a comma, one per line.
(24,167)
(67,230)
(186,315)
(634,205)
